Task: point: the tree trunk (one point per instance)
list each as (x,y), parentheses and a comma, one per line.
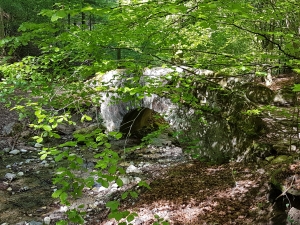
(83,20)
(2,33)
(69,21)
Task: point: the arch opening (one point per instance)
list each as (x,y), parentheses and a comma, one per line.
(140,122)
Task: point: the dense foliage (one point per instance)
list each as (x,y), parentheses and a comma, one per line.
(69,42)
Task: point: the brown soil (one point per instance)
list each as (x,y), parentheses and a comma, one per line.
(199,193)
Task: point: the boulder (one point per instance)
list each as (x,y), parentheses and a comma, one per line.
(287,179)
(133,169)
(65,129)
(12,129)
(293,216)
(258,93)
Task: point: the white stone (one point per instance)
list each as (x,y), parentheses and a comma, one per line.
(6,150)
(137,179)
(133,169)
(38,145)
(112,191)
(25,188)
(63,208)
(293,147)
(47,220)
(125,180)
(294,216)
(4,224)
(14,152)
(20,174)
(10,176)
(9,189)
(28,161)
(23,150)
(8,166)
(102,189)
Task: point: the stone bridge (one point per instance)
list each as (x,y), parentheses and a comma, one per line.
(219,135)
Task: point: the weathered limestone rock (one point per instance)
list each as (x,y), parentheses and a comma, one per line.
(220,132)
(287,178)
(285,97)
(258,93)
(65,128)
(12,128)
(293,216)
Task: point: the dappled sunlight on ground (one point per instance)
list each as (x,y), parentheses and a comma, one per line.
(198,193)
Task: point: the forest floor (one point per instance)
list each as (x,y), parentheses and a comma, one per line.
(199,193)
(187,192)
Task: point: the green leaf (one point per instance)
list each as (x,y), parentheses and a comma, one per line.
(124,195)
(296,88)
(109,178)
(62,222)
(118,135)
(63,197)
(59,157)
(55,135)
(44,156)
(112,169)
(113,205)
(81,206)
(121,170)
(86,117)
(79,160)
(118,215)
(58,15)
(68,144)
(119,182)
(57,193)
(47,127)
(107,145)
(134,194)
(88,8)
(144,184)
(54,18)
(104,183)
(37,113)
(130,218)
(39,140)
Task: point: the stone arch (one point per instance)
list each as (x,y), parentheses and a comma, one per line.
(207,134)
(141,121)
(113,114)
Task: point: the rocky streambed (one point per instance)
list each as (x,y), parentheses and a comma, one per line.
(183,191)
(26,181)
